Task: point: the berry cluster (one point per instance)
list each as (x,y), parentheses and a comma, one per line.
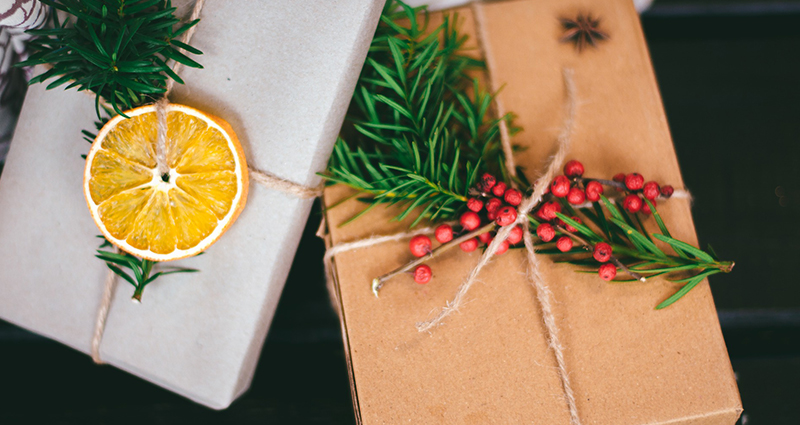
(576,189)
(494,201)
(636,188)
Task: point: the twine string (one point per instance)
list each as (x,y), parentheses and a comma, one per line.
(272,181)
(483,44)
(522,212)
(102,314)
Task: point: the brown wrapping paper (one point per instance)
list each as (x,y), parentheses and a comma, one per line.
(490,362)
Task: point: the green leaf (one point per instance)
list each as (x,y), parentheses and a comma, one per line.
(121,274)
(676,244)
(394,105)
(611,208)
(640,239)
(584,230)
(694,281)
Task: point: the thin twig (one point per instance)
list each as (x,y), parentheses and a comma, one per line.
(585,180)
(589,247)
(378,282)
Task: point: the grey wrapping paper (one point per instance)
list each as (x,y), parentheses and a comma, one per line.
(282,74)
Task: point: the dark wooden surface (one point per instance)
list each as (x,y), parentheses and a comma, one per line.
(729,75)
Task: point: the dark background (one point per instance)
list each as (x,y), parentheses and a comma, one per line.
(728,73)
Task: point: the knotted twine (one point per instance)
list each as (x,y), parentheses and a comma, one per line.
(264,178)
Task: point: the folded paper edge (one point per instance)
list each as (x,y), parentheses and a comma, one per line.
(637,24)
(334,292)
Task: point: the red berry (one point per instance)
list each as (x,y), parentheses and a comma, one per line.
(420,245)
(602,252)
(607,271)
(573,169)
(632,203)
(493,205)
(492,215)
(546,232)
(667,191)
(651,190)
(515,236)
(646,208)
(593,191)
(486,237)
(474,204)
(634,181)
(513,197)
(470,220)
(560,186)
(502,248)
(506,216)
(444,233)
(469,246)
(499,189)
(422,274)
(548,210)
(570,228)
(576,196)
(487,182)
(619,178)
(564,243)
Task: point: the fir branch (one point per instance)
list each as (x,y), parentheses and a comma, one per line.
(410,116)
(634,252)
(114,48)
(417,140)
(140,270)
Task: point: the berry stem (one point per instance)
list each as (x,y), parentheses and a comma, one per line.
(379,281)
(137,294)
(589,247)
(585,180)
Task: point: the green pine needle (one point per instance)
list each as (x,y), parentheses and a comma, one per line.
(414,137)
(140,271)
(116,49)
(417,139)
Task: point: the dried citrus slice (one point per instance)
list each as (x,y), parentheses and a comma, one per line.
(165,216)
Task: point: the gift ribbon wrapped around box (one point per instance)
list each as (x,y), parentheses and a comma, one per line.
(282,74)
(490,362)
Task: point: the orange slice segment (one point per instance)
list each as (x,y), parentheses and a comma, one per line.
(171,216)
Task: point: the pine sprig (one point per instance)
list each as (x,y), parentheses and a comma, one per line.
(634,247)
(417,139)
(140,270)
(116,49)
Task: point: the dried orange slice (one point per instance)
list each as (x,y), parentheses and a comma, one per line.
(164,217)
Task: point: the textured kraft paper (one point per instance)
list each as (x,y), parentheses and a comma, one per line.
(282,74)
(490,361)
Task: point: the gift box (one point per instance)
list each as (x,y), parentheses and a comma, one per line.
(490,362)
(282,74)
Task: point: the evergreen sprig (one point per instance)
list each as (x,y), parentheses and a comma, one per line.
(417,139)
(633,246)
(140,270)
(116,49)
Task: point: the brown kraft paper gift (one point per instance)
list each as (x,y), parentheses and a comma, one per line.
(490,362)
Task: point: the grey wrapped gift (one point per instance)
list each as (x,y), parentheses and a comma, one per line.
(282,74)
